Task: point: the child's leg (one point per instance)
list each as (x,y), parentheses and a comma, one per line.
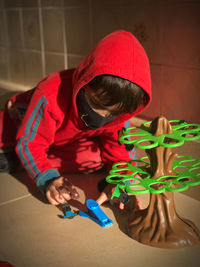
(10,120)
(8,130)
(8,161)
(8,157)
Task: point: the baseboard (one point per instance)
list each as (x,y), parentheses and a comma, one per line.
(10,86)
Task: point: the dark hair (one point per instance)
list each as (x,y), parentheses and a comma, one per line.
(110,90)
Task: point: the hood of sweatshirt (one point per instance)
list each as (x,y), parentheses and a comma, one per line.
(119,54)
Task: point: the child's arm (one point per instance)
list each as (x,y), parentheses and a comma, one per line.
(112,151)
(106,195)
(34,138)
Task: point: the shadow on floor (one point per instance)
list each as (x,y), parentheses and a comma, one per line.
(89,185)
(22,177)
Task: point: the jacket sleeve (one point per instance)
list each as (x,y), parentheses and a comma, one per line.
(34,138)
(112,151)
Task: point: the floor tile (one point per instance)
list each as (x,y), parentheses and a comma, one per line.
(33,235)
(15,187)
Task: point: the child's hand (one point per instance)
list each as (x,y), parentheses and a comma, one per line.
(60,190)
(106,195)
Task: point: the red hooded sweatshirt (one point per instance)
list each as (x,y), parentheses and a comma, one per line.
(52,126)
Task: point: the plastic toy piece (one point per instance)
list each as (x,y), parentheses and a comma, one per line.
(182,131)
(128,147)
(96,214)
(67,211)
(161,174)
(123,196)
(115,193)
(180,180)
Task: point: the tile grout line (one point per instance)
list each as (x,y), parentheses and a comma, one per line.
(42,38)
(6,44)
(91,24)
(64,39)
(15,199)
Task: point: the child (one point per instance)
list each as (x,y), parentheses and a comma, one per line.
(70,121)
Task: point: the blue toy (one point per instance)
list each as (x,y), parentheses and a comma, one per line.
(67,211)
(94,213)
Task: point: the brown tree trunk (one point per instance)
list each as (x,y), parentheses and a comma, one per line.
(159,225)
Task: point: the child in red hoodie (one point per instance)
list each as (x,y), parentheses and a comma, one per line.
(70,121)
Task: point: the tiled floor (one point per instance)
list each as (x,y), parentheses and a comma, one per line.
(32,234)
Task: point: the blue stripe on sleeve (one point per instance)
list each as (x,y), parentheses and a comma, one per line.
(39,107)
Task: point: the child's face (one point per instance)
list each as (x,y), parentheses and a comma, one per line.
(103,112)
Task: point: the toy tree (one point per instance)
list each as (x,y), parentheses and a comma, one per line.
(160,174)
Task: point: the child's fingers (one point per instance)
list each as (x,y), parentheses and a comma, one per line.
(74,193)
(51,199)
(60,190)
(70,188)
(65,193)
(138,204)
(121,206)
(102,198)
(58,196)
